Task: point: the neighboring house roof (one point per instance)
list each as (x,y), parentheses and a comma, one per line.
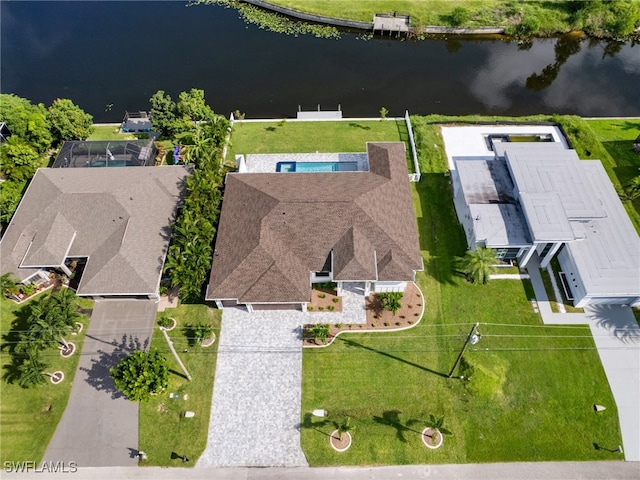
(119,218)
(277,228)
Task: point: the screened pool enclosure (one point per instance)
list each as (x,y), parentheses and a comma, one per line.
(106,153)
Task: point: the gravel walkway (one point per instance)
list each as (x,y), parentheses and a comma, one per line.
(257,392)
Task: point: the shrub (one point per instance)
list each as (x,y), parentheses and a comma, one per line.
(201,331)
(398,324)
(310,308)
(390,301)
(373,325)
(335,300)
(320,332)
(459,16)
(320,308)
(386,324)
(165,321)
(338,325)
(141,374)
(331,308)
(322,295)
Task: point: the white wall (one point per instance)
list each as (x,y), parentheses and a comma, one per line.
(379,287)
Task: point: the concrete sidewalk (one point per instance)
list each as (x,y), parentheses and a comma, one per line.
(617,337)
(99,427)
(490,471)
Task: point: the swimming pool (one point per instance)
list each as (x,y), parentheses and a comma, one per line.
(289,167)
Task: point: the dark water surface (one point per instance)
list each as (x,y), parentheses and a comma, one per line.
(120,53)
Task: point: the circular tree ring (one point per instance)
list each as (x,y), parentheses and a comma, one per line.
(67,350)
(337,444)
(56,377)
(173,324)
(428,439)
(209,341)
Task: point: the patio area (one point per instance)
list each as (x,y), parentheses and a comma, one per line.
(268,162)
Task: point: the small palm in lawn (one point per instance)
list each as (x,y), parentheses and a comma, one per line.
(165,321)
(436,424)
(344,427)
(477,265)
(201,332)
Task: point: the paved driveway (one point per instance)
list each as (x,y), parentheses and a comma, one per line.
(617,337)
(99,426)
(257,391)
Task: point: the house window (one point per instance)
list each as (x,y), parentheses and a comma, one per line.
(507,253)
(546,249)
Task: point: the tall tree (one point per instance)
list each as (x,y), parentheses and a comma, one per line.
(10,195)
(477,265)
(26,121)
(19,160)
(67,121)
(163,113)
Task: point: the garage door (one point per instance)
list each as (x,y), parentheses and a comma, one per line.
(277,306)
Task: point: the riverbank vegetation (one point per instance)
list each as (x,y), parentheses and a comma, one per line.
(274,22)
(528,390)
(599,18)
(35,133)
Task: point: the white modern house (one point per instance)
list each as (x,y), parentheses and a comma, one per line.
(536,197)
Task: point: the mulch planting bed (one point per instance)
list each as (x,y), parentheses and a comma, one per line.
(377,318)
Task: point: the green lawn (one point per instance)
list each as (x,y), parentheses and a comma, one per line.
(28,417)
(616,136)
(531,396)
(532,17)
(110,132)
(480,13)
(310,137)
(163,427)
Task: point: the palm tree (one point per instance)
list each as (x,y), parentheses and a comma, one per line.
(9,284)
(31,372)
(633,188)
(477,265)
(52,317)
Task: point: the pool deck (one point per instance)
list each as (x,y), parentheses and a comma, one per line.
(267,162)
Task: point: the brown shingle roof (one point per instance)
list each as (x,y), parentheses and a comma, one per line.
(117,217)
(276,228)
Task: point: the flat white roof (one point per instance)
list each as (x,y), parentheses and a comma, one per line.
(470,142)
(607,252)
(546,168)
(499,224)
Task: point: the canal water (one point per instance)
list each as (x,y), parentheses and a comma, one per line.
(109,57)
